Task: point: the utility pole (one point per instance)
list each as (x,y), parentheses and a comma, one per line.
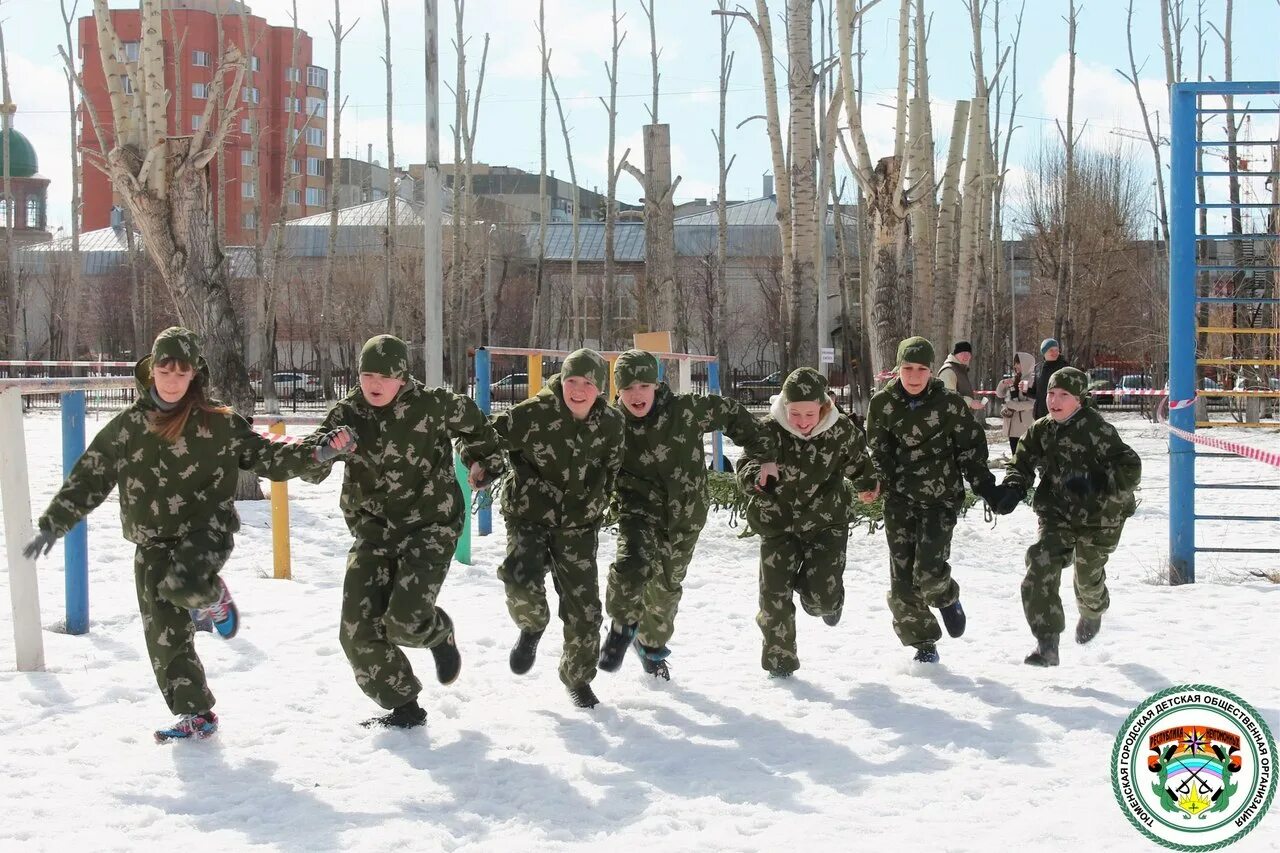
(433,262)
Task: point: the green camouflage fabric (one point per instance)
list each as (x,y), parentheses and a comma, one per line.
(919,538)
(171,578)
(570,555)
(1055,548)
(811,565)
(402,503)
(804,385)
(1086,445)
(588,364)
(181,344)
(662,499)
(803,524)
(635,365)
(562,470)
(1070,379)
(915,350)
(385,354)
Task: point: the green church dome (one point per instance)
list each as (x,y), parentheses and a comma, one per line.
(22,157)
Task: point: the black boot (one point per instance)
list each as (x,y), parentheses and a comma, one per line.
(953,617)
(833,619)
(448,661)
(583,696)
(525,651)
(406,716)
(1087,629)
(615,646)
(654,660)
(1046,653)
(927,653)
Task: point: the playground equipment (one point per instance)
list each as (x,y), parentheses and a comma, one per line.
(1253,285)
(533,383)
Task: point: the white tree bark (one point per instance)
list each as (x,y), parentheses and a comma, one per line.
(575,292)
(325,348)
(608,292)
(1062,299)
(947,247)
(536,321)
(802,285)
(77,268)
(388,273)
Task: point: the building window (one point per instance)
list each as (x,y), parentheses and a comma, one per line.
(250,219)
(293,75)
(246,157)
(200,90)
(200,58)
(35,212)
(294,135)
(295,196)
(131,51)
(316,107)
(315,167)
(253,63)
(315,136)
(197,122)
(317,77)
(248,189)
(295,166)
(246,125)
(315,197)
(292,105)
(128,84)
(250,94)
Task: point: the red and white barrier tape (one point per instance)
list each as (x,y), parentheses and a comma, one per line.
(67,364)
(1267,457)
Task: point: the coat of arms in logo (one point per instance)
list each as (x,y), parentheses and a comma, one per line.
(1193,768)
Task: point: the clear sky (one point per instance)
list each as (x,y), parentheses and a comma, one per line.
(578,34)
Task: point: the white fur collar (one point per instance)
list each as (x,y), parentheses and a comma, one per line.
(778,410)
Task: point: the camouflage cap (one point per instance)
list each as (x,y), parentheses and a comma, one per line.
(915,350)
(177,342)
(588,364)
(804,385)
(1071,380)
(385,354)
(635,365)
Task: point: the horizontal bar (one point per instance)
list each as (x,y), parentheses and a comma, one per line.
(1229,87)
(610,355)
(1231,300)
(1240,550)
(1231,330)
(1270,425)
(1260,487)
(1200,454)
(1236,174)
(1238,236)
(1222,143)
(59,384)
(1234,268)
(1224,205)
(1238,110)
(1240,362)
(1238,518)
(1204,392)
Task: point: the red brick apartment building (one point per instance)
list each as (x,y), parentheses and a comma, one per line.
(278,103)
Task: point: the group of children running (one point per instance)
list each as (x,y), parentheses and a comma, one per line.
(563,457)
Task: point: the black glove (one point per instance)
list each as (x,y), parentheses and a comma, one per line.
(1083,485)
(324,452)
(40,545)
(1007,499)
(989,492)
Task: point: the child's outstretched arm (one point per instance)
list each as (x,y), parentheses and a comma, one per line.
(284,457)
(477,440)
(87,486)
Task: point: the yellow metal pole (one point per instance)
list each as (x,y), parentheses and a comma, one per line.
(613,384)
(535,374)
(280,521)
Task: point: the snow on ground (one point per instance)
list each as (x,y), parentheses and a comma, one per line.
(860,749)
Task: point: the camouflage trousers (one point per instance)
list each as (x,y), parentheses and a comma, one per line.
(919,575)
(811,565)
(570,555)
(171,578)
(646,579)
(1055,548)
(389,601)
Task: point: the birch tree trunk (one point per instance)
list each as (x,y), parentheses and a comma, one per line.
(802,288)
(607,293)
(535,322)
(578,327)
(920,177)
(971,216)
(77,268)
(14,331)
(1062,298)
(720,338)
(330,267)
(458,271)
(947,244)
(388,273)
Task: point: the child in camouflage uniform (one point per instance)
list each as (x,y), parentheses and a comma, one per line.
(923,440)
(565,446)
(803,518)
(662,502)
(1087,479)
(176,457)
(403,505)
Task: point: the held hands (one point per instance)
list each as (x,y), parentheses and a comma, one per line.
(40,545)
(767,479)
(1083,485)
(870,495)
(1001,498)
(478,478)
(336,442)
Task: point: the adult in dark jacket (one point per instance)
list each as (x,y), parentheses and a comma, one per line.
(1054,361)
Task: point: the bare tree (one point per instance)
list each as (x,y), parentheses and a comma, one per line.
(608,293)
(388,298)
(1153,136)
(720,314)
(536,319)
(578,330)
(77,268)
(1061,304)
(324,350)
(920,166)
(13,333)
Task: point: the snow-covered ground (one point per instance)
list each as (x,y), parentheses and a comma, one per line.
(861,750)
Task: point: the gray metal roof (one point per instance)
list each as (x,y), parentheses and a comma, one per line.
(360,229)
(760,211)
(101,252)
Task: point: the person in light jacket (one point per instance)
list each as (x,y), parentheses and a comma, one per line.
(1018,403)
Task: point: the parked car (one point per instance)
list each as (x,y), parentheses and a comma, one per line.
(1132,382)
(1101,378)
(291,385)
(513,388)
(760,390)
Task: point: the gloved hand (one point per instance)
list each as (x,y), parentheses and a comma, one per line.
(1083,485)
(1007,499)
(40,545)
(336,442)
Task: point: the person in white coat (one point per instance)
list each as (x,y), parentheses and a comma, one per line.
(1018,401)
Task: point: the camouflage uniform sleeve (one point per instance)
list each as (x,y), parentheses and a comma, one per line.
(477,440)
(1122,464)
(91,479)
(733,419)
(334,418)
(970,443)
(277,457)
(749,464)
(858,467)
(881,444)
(617,454)
(1021,472)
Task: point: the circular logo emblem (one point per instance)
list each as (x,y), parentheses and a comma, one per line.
(1193,768)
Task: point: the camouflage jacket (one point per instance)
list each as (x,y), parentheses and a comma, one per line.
(169,491)
(664,472)
(922,447)
(401,480)
(1085,445)
(562,470)
(811,492)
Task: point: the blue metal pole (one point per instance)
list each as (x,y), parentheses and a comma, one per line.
(717,440)
(1182,334)
(76,544)
(484,372)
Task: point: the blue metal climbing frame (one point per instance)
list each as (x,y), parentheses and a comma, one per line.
(1188,290)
